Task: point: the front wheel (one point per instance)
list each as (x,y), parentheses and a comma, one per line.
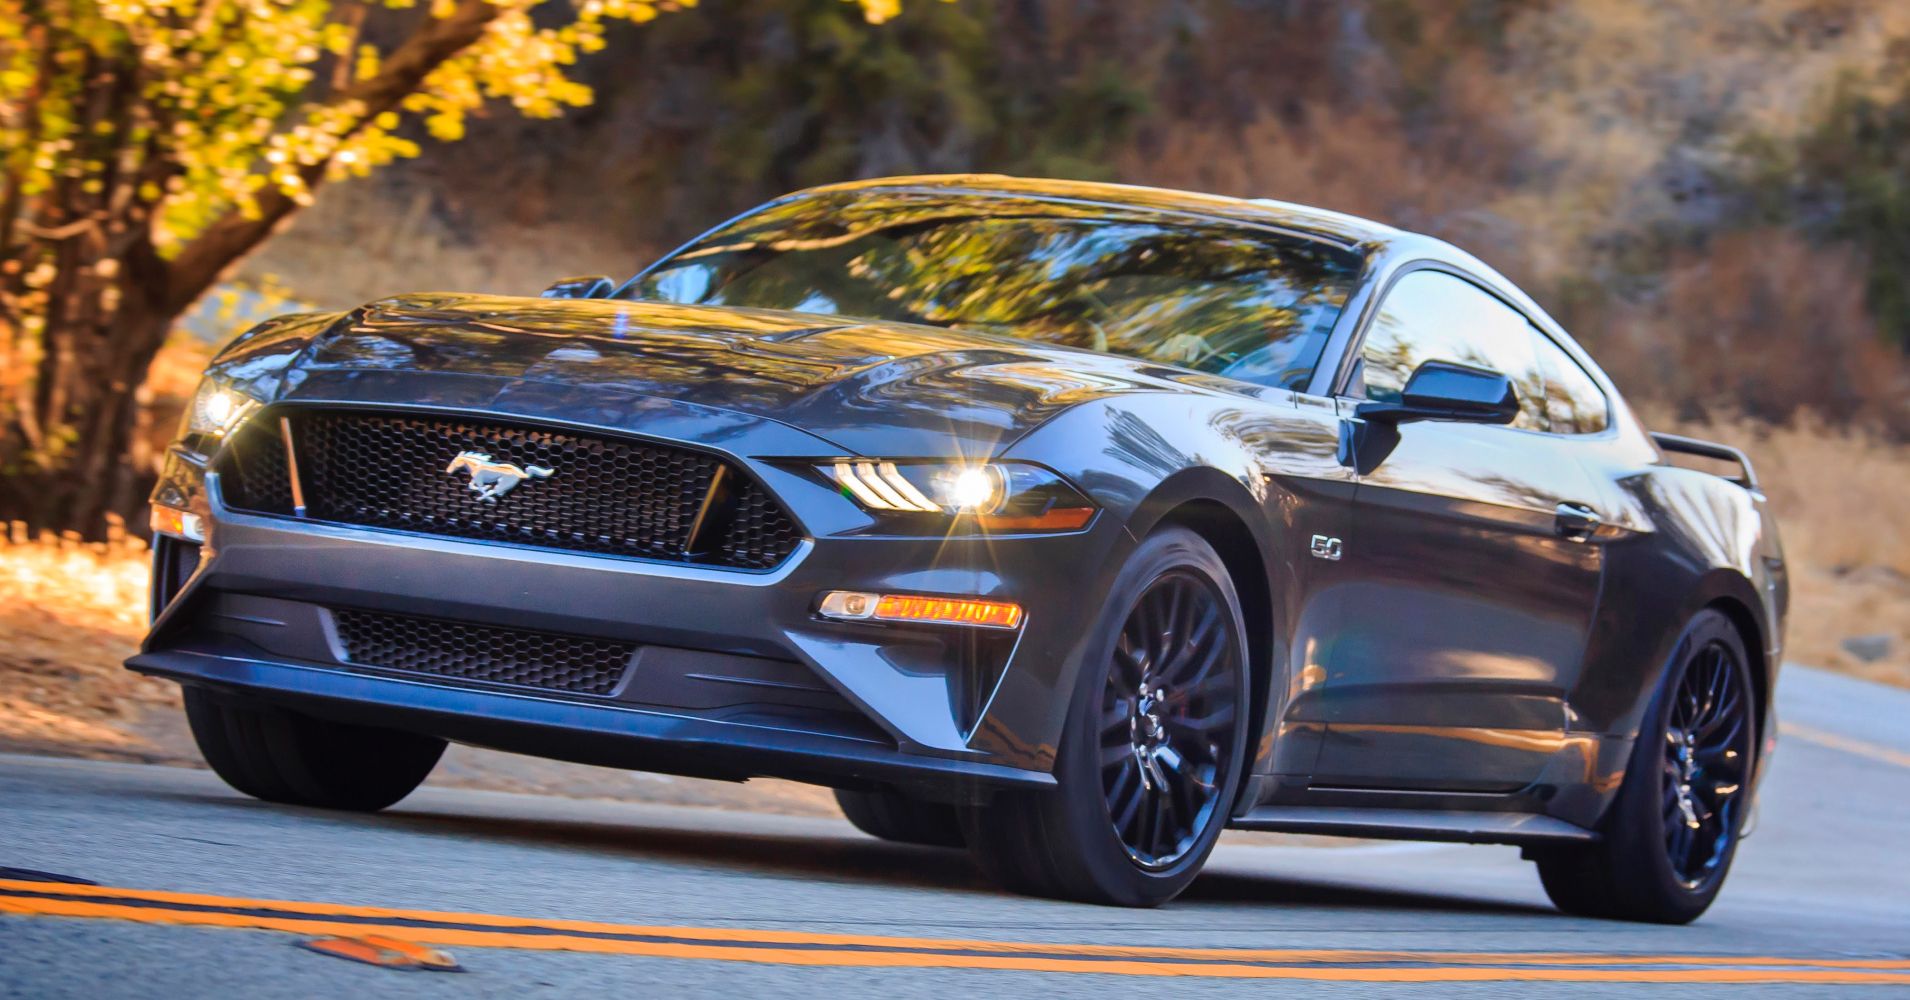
(284,756)
(889,815)
(1672,832)
(1151,757)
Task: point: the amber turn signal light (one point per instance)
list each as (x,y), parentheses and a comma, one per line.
(855,606)
(1055,519)
(177,523)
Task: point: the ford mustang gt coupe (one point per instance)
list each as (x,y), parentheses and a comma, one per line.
(1069,522)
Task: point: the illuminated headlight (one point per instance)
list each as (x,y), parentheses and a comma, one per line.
(998,496)
(975,489)
(217,408)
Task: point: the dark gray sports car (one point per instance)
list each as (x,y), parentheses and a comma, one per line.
(1069,522)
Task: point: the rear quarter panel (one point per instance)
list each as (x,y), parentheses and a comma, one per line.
(1691,540)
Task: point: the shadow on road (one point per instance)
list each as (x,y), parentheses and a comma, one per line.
(832,858)
(865,860)
(1282,890)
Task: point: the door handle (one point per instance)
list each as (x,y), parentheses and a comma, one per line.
(1575,521)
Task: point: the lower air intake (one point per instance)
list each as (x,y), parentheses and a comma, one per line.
(487,653)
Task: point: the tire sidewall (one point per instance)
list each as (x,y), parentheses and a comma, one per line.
(1638,826)
(1081,797)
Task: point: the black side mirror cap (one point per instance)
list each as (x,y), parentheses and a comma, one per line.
(595,286)
(1441,390)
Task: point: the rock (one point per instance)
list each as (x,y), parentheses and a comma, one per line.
(1868,648)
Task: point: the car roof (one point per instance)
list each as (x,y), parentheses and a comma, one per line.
(1337,226)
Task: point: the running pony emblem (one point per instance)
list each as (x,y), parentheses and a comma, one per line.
(490,480)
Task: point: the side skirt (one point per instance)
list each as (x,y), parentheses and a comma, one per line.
(1414,824)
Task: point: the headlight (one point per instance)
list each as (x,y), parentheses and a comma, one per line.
(217,408)
(997,496)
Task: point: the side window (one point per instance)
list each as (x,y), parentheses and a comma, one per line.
(1573,402)
(1434,316)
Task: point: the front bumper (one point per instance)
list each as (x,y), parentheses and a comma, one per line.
(600,734)
(920,706)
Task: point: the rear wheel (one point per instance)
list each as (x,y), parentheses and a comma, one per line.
(889,815)
(1151,758)
(283,756)
(1671,834)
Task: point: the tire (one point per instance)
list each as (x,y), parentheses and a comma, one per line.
(1693,763)
(1123,739)
(282,756)
(888,815)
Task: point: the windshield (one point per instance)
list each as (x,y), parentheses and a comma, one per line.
(1232,300)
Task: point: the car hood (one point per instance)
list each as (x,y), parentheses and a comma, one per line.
(872,388)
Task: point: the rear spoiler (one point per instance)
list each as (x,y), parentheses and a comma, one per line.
(1746,477)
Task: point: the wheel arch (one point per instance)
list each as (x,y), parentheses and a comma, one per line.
(1186,458)
(1751,632)
(1247,559)
(1729,592)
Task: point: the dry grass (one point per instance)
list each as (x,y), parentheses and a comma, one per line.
(69,614)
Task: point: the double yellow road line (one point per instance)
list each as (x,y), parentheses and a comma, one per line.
(481,930)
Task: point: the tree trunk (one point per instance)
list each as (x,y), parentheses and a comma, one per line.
(73,452)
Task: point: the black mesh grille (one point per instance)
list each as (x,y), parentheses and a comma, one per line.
(472,652)
(254,469)
(756,532)
(586,493)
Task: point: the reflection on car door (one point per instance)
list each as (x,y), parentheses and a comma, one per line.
(1462,611)
(1309,503)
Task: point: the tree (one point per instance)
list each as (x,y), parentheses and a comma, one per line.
(1855,165)
(147,146)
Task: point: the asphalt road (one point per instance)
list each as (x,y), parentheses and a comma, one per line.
(203,892)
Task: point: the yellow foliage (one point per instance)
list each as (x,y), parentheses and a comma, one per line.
(237,96)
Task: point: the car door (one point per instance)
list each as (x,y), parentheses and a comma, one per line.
(1308,504)
(1463,609)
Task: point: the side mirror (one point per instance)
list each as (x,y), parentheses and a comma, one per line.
(595,286)
(1440,390)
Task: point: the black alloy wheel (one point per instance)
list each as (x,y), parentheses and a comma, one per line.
(1167,719)
(1707,755)
(1153,753)
(1669,836)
